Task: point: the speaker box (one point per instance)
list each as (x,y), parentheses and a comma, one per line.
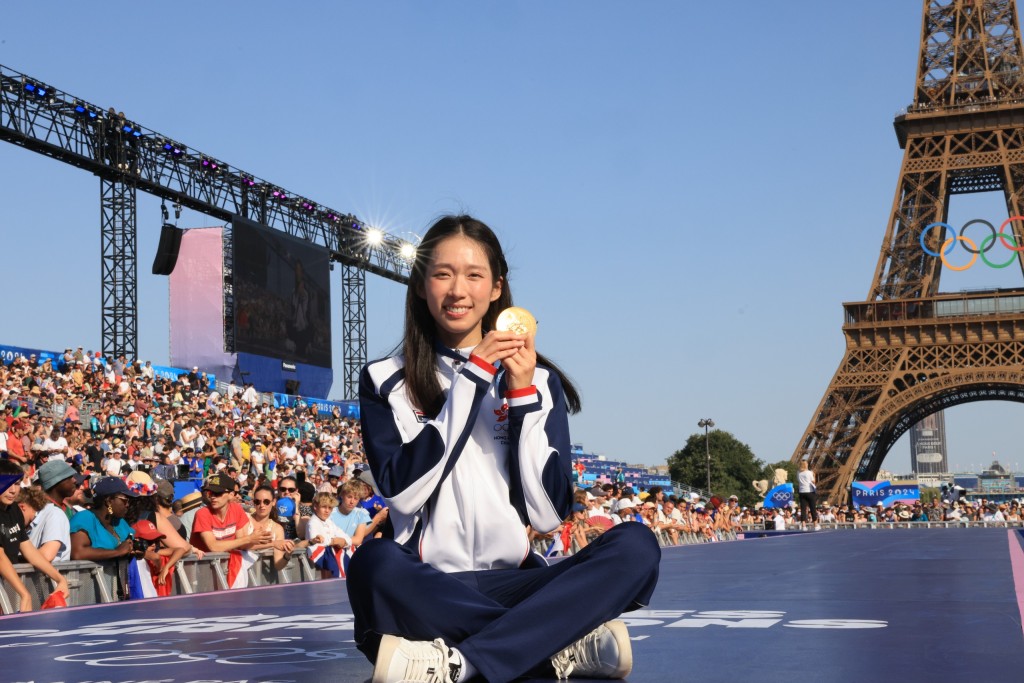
(167,250)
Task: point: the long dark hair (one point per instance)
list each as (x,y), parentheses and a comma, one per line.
(418,346)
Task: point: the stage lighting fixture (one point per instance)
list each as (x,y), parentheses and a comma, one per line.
(37,89)
(177,210)
(374,237)
(248,181)
(306,205)
(278,195)
(172,148)
(211,165)
(84,112)
(407,251)
(163,212)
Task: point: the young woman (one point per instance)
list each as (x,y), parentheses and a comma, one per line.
(466,434)
(264,517)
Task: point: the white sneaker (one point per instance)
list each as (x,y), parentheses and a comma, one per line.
(413,661)
(605,652)
(817,527)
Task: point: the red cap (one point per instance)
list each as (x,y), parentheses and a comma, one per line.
(145,529)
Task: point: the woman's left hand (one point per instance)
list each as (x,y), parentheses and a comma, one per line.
(520,366)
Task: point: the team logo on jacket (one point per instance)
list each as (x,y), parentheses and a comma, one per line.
(501,424)
(421,417)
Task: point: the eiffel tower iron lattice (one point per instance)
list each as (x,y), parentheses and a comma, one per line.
(911,351)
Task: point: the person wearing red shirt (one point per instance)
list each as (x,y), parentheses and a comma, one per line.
(223,525)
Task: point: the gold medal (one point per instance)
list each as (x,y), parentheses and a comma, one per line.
(517,321)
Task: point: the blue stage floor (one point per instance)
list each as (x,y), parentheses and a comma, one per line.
(844,607)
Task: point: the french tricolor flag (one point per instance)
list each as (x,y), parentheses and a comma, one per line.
(140,580)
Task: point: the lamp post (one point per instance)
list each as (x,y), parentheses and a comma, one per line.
(707,424)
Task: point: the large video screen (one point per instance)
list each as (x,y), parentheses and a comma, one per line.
(282,294)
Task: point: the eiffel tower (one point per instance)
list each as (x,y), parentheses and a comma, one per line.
(911,351)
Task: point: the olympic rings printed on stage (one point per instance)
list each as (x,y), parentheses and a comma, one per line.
(969,246)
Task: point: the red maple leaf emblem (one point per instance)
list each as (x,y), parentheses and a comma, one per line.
(502,413)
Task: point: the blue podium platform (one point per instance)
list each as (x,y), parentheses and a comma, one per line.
(829,607)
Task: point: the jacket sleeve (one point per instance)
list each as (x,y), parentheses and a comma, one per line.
(409,467)
(541,461)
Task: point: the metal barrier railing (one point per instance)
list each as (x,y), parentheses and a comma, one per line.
(542,546)
(92,583)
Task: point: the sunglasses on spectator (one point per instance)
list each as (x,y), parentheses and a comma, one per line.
(287,490)
(263,501)
(215,494)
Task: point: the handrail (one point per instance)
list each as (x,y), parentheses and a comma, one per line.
(91,583)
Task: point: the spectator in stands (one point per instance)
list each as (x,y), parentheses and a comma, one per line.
(669,521)
(49,527)
(48,531)
(827,515)
(578,530)
(190,504)
(621,511)
(223,525)
(353,518)
(288,487)
(160,558)
(371,502)
(326,539)
(780,518)
(18,444)
(14,532)
(101,533)
(264,517)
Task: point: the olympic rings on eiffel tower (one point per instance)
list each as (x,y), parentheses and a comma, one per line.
(969,246)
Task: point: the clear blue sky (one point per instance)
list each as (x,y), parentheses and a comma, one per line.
(687,194)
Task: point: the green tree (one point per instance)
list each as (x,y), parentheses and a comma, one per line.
(733,466)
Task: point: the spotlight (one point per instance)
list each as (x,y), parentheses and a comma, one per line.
(248,181)
(173,149)
(177,210)
(37,89)
(84,112)
(211,165)
(278,195)
(163,212)
(306,205)
(375,237)
(407,251)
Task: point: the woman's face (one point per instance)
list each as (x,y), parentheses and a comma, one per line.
(458,289)
(118,505)
(262,503)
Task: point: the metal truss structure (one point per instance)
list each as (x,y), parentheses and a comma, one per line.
(128,157)
(911,351)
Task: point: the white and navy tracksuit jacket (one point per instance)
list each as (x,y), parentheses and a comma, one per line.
(461,487)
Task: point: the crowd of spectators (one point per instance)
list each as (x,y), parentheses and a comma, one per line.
(98,445)
(100,442)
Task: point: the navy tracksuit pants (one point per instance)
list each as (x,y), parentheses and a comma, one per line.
(506,622)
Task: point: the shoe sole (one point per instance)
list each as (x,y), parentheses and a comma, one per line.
(388,645)
(621,634)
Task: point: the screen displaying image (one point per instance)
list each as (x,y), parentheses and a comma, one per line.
(282,295)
